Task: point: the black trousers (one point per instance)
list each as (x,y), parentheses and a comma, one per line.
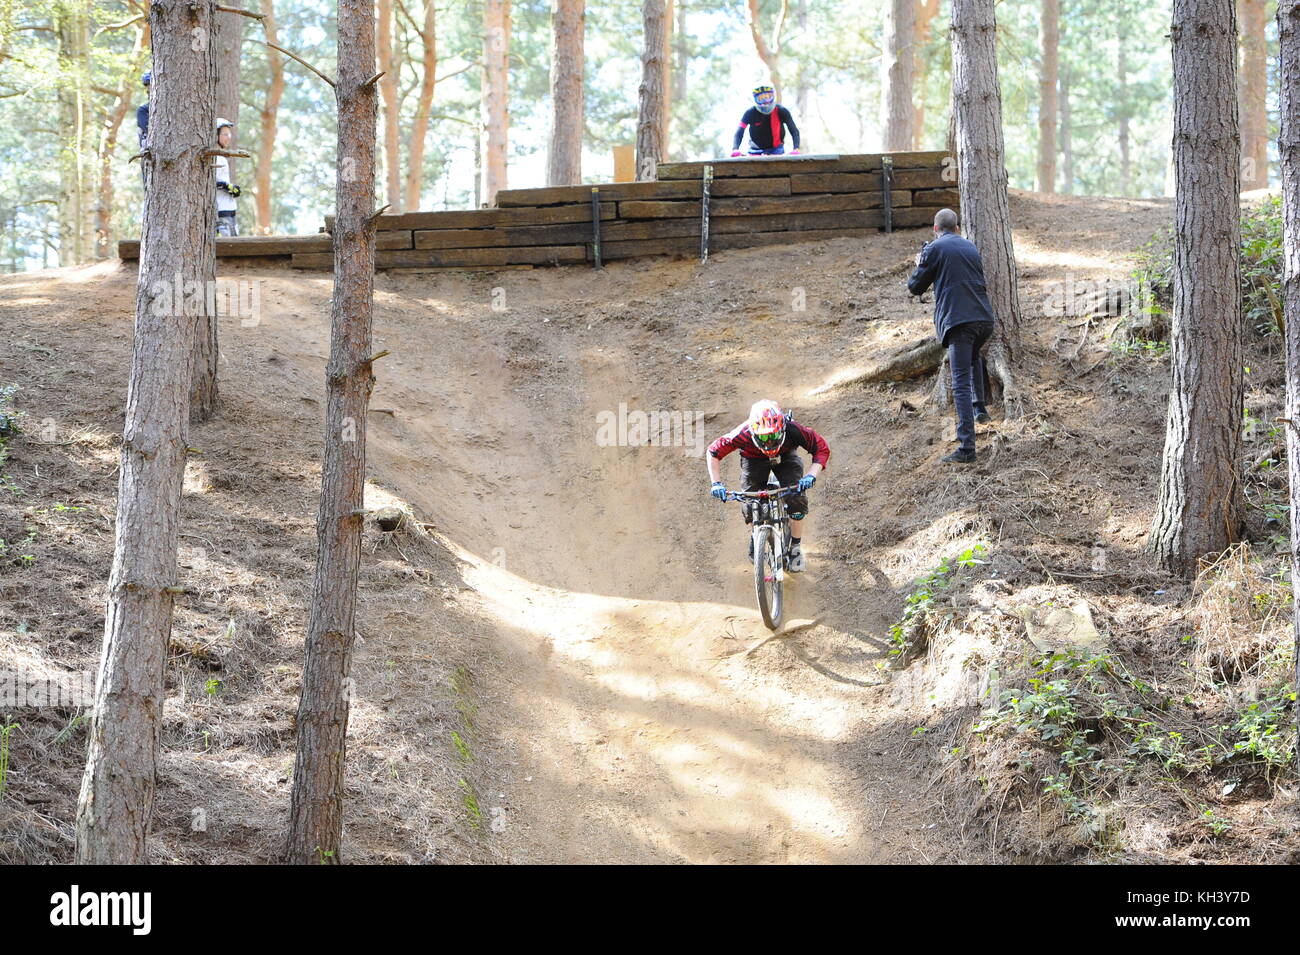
(753,477)
(965,344)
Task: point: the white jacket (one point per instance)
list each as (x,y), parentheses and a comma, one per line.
(221,169)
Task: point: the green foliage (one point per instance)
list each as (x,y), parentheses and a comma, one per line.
(1104,724)
(462,748)
(920,601)
(1259,733)
(1261,267)
(469,799)
(8,413)
(6,730)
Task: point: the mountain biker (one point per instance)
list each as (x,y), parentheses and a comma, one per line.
(227,191)
(767,442)
(765,120)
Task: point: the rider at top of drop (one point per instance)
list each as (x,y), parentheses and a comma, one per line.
(765,121)
(767,443)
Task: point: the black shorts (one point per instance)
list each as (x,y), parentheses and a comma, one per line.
(753,477)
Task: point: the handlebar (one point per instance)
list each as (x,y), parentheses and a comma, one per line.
(764,494)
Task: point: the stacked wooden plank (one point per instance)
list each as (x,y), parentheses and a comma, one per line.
(753,202)
(271,246)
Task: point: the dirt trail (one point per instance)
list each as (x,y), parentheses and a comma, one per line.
(627,706)
(641,728)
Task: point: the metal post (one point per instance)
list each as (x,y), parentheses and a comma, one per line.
(595,226)
(887,179)
(704,214)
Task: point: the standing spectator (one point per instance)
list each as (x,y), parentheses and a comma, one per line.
(227,191)
(963,322)
(142,116)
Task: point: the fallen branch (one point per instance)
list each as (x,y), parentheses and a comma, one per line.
(917,359)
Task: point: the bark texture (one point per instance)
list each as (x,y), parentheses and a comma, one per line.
(897,111)
(1048,78)
(1200,505)
(650,111)
(982,174)
(1288,147)
(316,810)
(568,21)
(229,41)
(117,790)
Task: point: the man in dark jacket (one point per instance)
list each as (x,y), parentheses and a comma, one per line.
(963,322)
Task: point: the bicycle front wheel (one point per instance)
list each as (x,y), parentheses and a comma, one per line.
(767,583)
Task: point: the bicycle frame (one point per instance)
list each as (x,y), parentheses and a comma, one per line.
(769,511)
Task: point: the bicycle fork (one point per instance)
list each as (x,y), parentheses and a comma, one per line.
(778,547)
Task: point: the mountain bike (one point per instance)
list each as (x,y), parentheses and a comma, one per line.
(770,528)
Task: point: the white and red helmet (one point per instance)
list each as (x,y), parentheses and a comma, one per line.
(767,426)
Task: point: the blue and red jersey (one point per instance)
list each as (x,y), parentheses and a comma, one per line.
(796,436)
(765,128)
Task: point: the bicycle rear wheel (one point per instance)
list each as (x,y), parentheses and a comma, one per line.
(766,583)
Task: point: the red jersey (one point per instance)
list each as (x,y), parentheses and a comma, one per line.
(796,436)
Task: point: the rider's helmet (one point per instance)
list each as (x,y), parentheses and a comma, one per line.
(147,78)
(224,122)
(764,98)
(767,426)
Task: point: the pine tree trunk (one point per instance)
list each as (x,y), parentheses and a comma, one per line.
(108,145)
(117,790)
(1050,36)
(316,810)
(897,111)
(1288,148)
(650,123)
(229,40)
(72,27)
(681,54)
(423,107)
(1067,137)
(924,29)
(496,84)
(1253,90)
(1122,105)
(568,21)
(1199,511)
(771,57)
(666,133)
(391,115)
(982,174)
(268,119)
